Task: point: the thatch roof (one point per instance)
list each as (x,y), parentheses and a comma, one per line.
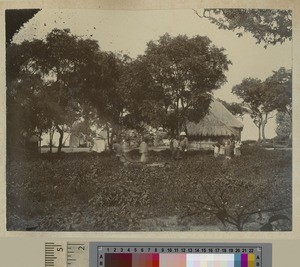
(218,122)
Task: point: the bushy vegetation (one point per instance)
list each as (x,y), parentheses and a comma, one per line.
(95,192)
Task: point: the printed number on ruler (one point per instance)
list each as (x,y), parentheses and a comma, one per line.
(66,254)
(55,254)
(78,254)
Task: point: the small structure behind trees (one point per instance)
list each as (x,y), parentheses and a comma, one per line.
(219,123)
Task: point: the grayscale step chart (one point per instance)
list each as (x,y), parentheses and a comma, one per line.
(148,254)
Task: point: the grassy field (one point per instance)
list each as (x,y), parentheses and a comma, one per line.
(95,192)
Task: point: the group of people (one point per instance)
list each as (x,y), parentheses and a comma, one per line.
(119,150)
(179,146)
(230,148)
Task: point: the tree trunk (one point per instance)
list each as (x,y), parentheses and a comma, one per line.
(115,131)
(111,140)
(259,132)
(177,115)
(263,126)
(51,140)
(108,137)
(61,137)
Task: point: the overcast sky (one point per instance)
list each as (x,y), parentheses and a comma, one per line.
(129,32)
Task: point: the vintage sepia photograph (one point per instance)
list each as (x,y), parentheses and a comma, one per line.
(149,120)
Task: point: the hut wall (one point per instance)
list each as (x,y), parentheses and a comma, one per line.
(201,145)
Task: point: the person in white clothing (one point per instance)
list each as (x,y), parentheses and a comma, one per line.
(144,150)
(237,148)
(216,150)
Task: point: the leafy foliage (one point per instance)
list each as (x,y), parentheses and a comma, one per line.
(253,96)
(279,90)
(263,97)
(144,99)
(237,109)
(45,73)
(284,125)
(64,78)
(234,198)
(269,226)
(87,191)
(182,72)
(267,26)
(101,90)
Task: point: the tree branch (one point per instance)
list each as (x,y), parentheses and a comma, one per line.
(203,15)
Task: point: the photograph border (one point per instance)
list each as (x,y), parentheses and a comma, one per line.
(144,236)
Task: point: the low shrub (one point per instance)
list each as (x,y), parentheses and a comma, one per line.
(96,192)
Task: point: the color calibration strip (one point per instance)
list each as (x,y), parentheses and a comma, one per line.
(177,260)
(143,254)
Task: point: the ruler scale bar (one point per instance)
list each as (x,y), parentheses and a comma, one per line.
(109,254)
(55,254)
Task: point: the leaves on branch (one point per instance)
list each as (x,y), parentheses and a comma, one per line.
(267,26)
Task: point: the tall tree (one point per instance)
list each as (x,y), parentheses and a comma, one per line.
(63,54)
(267,26)
(100,90)
(26,110)
(279,91)
(144,99)
(284,125)
(254,97)
(58,61)
(185,71)
(264,98)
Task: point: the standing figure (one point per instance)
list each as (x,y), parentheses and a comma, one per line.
(175,149)
(183,143)
(222,148)
(227,149)
(234,149)
(118,148)
(216,150)
(238,144)
(171,144)
(144,150)
(231,146)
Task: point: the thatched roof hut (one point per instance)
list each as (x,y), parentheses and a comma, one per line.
(217,123)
